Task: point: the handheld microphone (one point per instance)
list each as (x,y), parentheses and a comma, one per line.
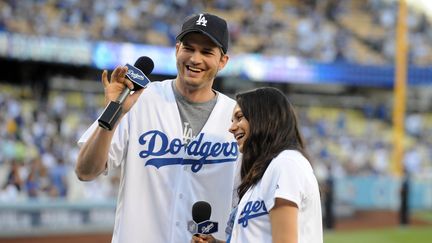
(201,224)
(201,211)
(137,74)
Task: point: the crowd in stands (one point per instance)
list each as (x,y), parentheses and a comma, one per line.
(38,144)
(38,139)
(356,31)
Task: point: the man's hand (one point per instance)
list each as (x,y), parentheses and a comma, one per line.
(117,84)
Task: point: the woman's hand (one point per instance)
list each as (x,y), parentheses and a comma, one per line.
(205,239)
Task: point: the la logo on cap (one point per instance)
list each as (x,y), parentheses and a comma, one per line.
(201,20)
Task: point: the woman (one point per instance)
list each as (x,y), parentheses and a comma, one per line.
(279,196)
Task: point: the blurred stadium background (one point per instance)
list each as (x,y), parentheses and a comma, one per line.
(335,59)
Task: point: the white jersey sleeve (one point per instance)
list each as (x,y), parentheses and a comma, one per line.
(289,176)
(284,179)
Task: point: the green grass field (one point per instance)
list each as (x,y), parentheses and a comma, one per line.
(423,215)
(393,235)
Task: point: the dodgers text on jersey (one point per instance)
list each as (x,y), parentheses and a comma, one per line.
(156,144)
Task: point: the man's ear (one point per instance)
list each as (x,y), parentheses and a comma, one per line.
(177,47)
(223,61)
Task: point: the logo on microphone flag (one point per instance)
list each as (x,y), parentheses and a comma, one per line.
(137,76)
(206,227)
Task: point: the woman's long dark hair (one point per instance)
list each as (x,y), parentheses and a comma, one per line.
(273,128)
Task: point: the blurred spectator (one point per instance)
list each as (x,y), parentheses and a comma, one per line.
(15,176)
(414,124)
(14,185)
(412,161)
(58,179)
(32,183)
(329,202)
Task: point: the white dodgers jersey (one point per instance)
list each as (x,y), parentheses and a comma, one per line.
(161,177)
(289,176)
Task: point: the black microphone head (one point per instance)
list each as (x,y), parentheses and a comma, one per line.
(145,64)
(201,211)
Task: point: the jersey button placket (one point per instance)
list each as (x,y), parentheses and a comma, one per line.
(179,200)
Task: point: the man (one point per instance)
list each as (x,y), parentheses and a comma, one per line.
(172,142)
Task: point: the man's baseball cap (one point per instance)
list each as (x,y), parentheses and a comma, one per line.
(211,25)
